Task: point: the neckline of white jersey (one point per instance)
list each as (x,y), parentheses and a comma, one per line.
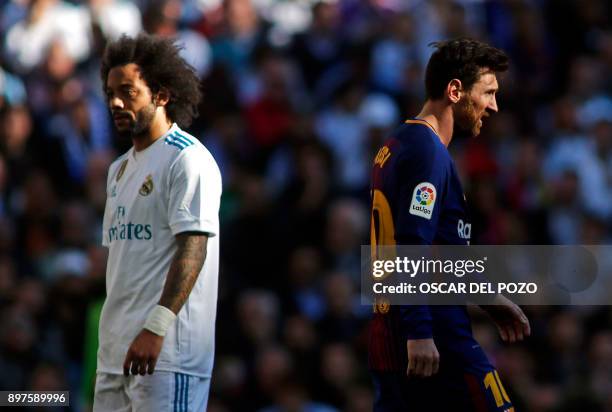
(142,153)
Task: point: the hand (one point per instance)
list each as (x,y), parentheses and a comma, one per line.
(511,322)
(143,353)
(423,357)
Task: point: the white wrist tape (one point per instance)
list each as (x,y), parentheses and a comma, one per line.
(159,320)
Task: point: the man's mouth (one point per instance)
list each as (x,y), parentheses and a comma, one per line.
(121,116)
(481,120)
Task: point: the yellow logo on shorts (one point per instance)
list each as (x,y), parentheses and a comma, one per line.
(147,186)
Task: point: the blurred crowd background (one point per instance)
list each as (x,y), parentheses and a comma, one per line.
(298,96)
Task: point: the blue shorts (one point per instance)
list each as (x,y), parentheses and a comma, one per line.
(466,381)
(474,391)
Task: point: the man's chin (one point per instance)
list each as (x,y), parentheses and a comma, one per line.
(124,131)
(465,133)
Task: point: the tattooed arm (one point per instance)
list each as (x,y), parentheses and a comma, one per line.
(184,270)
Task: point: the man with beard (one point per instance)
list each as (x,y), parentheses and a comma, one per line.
(156,339)
(424,358)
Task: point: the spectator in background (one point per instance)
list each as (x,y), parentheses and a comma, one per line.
(319,48)
(380,114)
(18,352)
(345,232)
(12,90)
(540,174)
(345,133)
(240,33)
(16,131)
(115,17)
(162,17)
(393,56)
(47,21)
(80,130)
(271,115)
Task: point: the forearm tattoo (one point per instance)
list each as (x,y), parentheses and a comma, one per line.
(184,270)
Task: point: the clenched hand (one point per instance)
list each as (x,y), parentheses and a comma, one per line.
(423,358)
(143,353)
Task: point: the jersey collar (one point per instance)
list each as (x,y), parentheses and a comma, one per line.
(422,122)
(138,156)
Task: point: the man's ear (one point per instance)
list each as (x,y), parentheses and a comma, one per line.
(454,90)
(162,97)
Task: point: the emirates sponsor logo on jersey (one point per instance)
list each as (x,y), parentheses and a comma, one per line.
(130,231)
(423,200)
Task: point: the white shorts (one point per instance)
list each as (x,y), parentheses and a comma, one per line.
(162,391)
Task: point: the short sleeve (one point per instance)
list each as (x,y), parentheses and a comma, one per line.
(422,178)
(194,185)
(107,211)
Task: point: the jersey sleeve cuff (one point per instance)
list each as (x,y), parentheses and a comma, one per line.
(417,322)
(422,332)
(194,226)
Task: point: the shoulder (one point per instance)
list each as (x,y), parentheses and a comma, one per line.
(189,154)
(178,141)
(418,143)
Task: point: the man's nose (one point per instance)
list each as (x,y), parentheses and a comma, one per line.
(492,105)
(115,103)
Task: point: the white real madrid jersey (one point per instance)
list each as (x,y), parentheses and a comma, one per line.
(172,186)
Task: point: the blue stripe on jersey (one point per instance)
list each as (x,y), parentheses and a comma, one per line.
(172,138)
(178,141)
(176,384)
(178,137)
(183,138)
(170,142)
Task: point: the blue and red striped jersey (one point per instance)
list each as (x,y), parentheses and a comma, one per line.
(417,199)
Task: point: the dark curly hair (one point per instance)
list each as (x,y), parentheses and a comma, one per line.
(161,67)
(461,59)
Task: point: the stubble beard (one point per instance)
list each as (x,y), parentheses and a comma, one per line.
(142,124)
(466,119)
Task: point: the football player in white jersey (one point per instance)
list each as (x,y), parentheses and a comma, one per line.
(161,227)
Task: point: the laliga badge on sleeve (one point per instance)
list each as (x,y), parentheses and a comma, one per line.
(423,200)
